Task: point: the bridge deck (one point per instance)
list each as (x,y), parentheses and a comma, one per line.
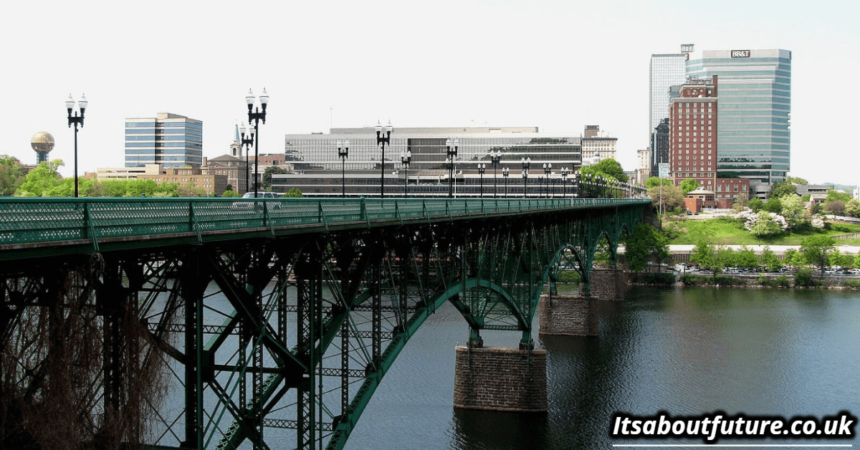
(34,227)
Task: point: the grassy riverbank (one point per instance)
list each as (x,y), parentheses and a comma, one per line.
(732,232)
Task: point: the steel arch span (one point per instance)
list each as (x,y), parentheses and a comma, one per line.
(286,337)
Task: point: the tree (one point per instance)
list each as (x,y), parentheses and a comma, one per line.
(756,204)
(798,260)
(792,209)
(769,259)
(796,180)
(741,201)
(294,192)
(672,197)
(835,207)
(838,259)
(688,186)
(727,257)
(781,189)
(12,174)
(852,208)
(765,226)
(645,243)
(229,193)
(609,167)
(705,255)
(773,205)
(856,263)
(41,180)
(816,250)
(747,258)
(655,181)
(267,175)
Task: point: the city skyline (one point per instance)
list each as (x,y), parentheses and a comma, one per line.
(360,65)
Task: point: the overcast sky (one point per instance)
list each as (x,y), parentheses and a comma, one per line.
(557,65)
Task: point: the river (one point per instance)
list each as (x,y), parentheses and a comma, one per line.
(685,351)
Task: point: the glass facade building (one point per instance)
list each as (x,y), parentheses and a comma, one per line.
(665,71)
(754,106)
(168,139)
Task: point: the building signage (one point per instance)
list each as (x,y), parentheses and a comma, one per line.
(663,170)
(740,53)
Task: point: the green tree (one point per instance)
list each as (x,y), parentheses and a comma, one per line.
(816,250)
(773,205)
(835,207)
(229,193)
(805,198)
(688,186)
(609,167)
(12,174)
(755,204)
(803,277)
(852,208)
(796,180)
(781,189)
(267,175)
(644,244)
(798,260)
(655,181)
(832,195)
(792,209)
(42,179)
(672,197)
(856,262)
(294,192)
(838,259)
(769,259)
(727,257)
(705,255)
(765,226)
(747,258)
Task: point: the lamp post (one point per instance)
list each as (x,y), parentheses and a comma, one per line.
(526,162)
(547,170)
(76,120)
(381,142)
(481,169)
(495,158)
(246,145)
(449,162)
(405,159)
(505,172)
(576,181)
(343,154)
(255,116)
(564,173)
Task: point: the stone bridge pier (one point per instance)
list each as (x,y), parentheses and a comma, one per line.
(609,284)
(500,379)
(569,315)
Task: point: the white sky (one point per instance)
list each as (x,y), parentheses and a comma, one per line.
(557,65)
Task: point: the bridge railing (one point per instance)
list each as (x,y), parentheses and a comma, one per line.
(32,220)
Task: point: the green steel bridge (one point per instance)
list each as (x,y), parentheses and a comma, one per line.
(273,320)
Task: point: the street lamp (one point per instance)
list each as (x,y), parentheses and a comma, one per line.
(564,173)
(481,169)
(495,157)
(76,120)
(449,162)
(246,145)
(255,116)
(343,154)
(505,172)
(405,159)
(526,162)
(547,170)
(381,142)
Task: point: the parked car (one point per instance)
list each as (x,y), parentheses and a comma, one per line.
(257,205)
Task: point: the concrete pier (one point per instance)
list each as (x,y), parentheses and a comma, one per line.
(500,379)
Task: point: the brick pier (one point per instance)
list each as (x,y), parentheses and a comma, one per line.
(500,379)
(569,315)
(610,284)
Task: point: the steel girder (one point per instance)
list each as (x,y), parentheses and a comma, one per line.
(286,339)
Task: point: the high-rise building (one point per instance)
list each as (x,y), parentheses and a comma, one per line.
(598,143)
(754,110)
(167,139)
(659,146)
(693,121)
(643,168)
(666,70)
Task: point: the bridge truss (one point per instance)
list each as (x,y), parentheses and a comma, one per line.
(276,340)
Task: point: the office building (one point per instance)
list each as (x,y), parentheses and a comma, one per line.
(643,166)
(314,158)
(167,139)
(693,120)
(665,70)
(190,177)
(754,110)
(660,147)
(126,173)
(597,143)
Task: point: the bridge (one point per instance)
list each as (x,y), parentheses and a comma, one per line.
(215,322)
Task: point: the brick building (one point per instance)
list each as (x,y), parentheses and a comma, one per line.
(692,133)
(211,184)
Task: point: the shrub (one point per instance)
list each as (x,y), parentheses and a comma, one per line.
(780,281)
(706,281)
(803,277)
(660,278)
(852,283)
(568,276)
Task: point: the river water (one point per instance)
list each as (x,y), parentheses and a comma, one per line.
(685,351)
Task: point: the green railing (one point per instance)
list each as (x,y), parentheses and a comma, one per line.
(35,220)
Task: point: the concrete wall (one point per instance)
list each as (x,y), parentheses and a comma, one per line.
(500,379)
